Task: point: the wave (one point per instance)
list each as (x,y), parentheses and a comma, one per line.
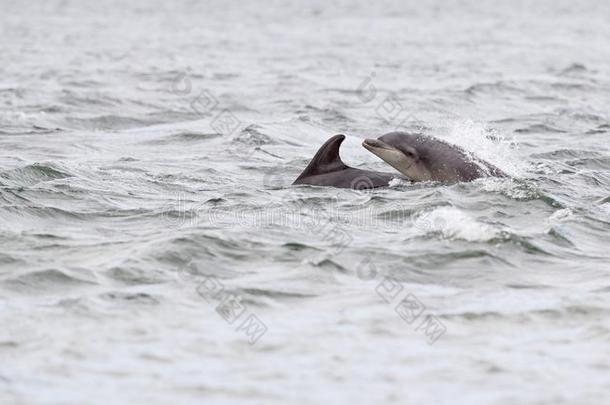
(184,137)
(34,174)
(45,280)
(110,122)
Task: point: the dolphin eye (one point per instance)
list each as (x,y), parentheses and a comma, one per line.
(409,153)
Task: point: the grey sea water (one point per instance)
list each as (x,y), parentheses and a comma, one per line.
(152,249)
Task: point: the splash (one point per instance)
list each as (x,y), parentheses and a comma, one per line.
(487,144)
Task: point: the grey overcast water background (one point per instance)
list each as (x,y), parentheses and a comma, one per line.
(153,250)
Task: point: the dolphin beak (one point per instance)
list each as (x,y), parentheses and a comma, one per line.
(372,144)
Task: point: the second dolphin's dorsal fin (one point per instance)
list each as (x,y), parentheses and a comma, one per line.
(326,160)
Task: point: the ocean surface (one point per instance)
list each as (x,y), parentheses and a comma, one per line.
(153,250)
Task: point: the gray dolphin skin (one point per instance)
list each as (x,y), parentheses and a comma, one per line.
(327,169)
(423,158)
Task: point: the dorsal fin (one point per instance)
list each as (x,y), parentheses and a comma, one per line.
(326,160)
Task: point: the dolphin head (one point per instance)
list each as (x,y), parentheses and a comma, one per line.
(400,151)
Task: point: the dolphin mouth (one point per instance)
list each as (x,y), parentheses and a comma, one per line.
(389,154)
(372,144)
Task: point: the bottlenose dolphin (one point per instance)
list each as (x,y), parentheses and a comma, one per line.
(422,158)
(327,169)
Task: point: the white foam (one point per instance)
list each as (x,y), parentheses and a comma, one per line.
(560,215)
(454,223)
(397,181)
(509,187)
